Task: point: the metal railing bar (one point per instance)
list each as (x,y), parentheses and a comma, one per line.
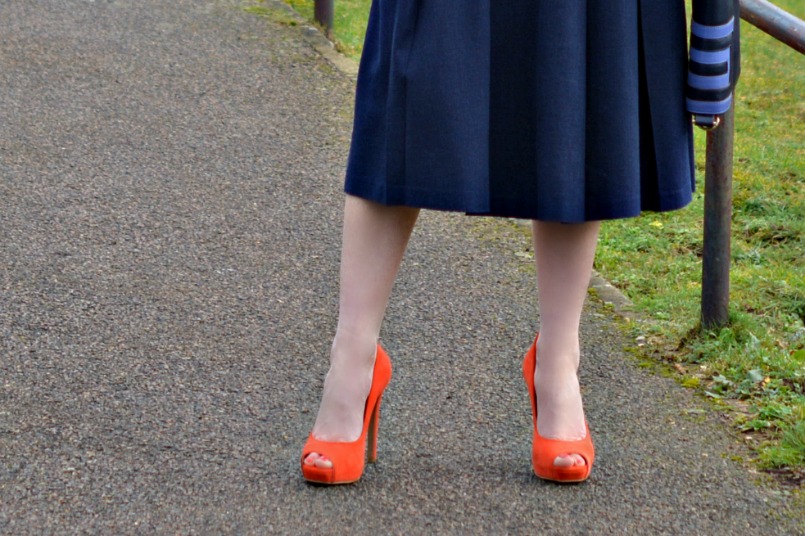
(776,22)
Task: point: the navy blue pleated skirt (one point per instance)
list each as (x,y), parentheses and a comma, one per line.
(538,109)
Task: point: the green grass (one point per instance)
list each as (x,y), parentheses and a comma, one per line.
(757,363)
(274,15)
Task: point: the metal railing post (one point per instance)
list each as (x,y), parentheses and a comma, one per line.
(717,223)
(323,11)
(718,173)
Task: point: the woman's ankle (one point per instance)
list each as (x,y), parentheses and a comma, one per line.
(353,349)
(558,351)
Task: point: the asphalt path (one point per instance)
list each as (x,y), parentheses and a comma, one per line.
(170,204)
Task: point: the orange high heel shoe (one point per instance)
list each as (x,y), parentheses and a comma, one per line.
(545,450)
(349,458)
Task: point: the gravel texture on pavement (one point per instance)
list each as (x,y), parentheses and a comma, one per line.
(170,204)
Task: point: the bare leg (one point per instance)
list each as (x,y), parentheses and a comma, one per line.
(374,241)
(564,255)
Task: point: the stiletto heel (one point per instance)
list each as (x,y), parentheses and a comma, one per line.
(349,458)
(544,451)
(374,424)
